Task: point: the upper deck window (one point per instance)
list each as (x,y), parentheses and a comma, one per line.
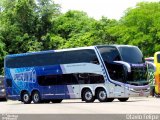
(54,58)
(109,53)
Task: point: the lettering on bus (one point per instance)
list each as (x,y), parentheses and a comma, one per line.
(27,76)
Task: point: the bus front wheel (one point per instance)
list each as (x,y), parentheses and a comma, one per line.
(36,97)
(26,98)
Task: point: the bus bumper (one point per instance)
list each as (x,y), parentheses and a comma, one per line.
(139,92)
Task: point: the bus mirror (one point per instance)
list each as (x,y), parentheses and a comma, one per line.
(125,64)
(151,66)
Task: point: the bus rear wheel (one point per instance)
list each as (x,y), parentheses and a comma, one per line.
(36,97)
(102,95)
(88,96)
(123,99)
(57,101)
(26,98)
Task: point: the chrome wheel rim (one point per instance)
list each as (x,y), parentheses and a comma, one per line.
(36,97)
(26,97)
(102,95)
(88,95)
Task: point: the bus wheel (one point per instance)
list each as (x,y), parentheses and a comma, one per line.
(88,96)
(56,100)
(36,97)
(102,95)
(123,99)
(26,98)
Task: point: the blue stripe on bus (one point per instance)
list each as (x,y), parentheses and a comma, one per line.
(19,85)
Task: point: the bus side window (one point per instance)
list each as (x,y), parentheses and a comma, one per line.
(96,78)
(47,80)
(116,72)
(90,78)
(70,79)
(95,61)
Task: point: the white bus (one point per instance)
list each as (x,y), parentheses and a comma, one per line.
(104,72)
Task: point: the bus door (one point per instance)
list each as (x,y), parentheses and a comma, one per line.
(119,90)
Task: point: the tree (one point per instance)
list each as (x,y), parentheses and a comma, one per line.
(23,23)
(140,26)
(77,29)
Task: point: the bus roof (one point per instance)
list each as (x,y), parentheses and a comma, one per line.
(67,49)
(48,51)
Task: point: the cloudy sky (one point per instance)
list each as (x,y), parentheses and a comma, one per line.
(113,9)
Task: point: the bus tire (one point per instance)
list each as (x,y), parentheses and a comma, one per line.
(26,98)
(88,96)
(56,100)
(102,95)
(123,99)
(36,97)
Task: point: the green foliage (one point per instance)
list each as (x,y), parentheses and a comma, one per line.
(140,26)
(23,23)
(29,25)
(80,30)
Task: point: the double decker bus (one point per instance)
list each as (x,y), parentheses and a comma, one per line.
(104,72)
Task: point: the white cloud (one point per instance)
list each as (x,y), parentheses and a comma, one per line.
(112,9)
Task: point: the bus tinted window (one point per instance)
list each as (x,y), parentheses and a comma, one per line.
(158,58)
(70,79)
(109,53)
(131,54)
(66,57)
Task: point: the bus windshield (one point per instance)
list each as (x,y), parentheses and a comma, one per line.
(131,54)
